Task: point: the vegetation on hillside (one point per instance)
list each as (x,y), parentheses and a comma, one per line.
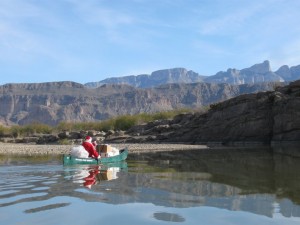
(118,123)
(26,130)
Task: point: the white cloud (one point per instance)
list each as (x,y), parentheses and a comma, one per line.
(94,12)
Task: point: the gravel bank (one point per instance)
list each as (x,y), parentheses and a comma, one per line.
(32,149)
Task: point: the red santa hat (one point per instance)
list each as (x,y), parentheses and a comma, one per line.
(88,138)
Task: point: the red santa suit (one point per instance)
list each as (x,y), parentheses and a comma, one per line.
(91,178)
(90,148)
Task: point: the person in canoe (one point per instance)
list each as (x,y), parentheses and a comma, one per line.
(90,147)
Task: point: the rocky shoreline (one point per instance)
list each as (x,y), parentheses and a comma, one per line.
(34,149)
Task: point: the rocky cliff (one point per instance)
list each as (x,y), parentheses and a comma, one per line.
(51,103)
(262,118)
(157,78)
(257,73)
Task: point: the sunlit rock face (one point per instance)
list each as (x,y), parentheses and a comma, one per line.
(53,102)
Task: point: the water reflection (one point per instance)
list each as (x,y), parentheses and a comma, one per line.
(47,207)
(28,184)
(89,175)
(169,217)
(255,181)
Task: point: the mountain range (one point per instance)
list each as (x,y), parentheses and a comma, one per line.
(53,102)
(255,74)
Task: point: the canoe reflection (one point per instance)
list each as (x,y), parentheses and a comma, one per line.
(91,178)
(91,175)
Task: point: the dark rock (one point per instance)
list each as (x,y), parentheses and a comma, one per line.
(64,134)
(45,139)
(251,119)
(101,134)
(175,126)
(109,133)
(92,133)
(75,135)
(151,138)
(83,133)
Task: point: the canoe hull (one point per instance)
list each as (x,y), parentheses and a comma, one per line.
(71,160)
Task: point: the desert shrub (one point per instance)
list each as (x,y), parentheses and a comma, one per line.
(106,125)
(64,141)
(4,130)
(27,130)
(143,118)
(36,128)
(15,131)
(125,122)
(85,126)
(64,126)
(118,123)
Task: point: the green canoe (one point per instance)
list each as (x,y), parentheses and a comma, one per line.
(71,160)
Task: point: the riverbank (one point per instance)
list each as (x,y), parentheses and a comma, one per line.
(33,149)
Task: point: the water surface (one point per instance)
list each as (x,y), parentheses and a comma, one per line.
(196,187)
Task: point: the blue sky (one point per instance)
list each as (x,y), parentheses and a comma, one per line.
(90,40)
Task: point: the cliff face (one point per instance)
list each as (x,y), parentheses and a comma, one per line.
(255,74)
(261,118)
(53,102)
(157,78)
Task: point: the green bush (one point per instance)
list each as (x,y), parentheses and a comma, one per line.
(4,130)
(106,125)
(15,131)
(64,126)
(125,122)
(36,128)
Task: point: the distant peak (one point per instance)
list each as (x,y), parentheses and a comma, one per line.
(261,67)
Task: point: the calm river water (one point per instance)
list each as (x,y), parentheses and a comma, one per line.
(197,187)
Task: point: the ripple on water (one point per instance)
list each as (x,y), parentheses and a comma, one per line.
(40,188)
(21,198)
(8,192)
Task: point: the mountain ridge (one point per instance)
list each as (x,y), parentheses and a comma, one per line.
(257,73)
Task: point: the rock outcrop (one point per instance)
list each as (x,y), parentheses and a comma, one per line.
(262,118)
